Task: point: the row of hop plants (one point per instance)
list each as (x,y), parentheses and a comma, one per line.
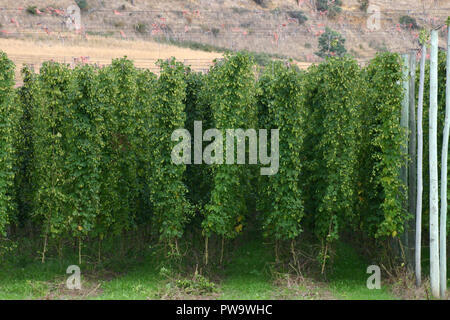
(86,152)
(93,151)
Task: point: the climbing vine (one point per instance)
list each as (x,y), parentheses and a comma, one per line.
(9,115)
(49,141)
(330,157)
(231,87)
(382,192)
(281,107)
(83,125)
(168,194)
(87,152)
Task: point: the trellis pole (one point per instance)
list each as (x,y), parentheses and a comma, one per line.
(412,175)
(418,248)
(434,200)
(444,157)
(404,123)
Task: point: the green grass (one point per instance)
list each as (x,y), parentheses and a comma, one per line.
(245,276)
(139,284)
(349,277)
(28,280)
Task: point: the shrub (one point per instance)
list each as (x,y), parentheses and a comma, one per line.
(31,10)
(262,3)
(333,8)
(408,22)
(199,285)
(262,58)
(141,27)
(82,4)
(363,5)
(215,31)
(331,43)
(119,24)
(299,15)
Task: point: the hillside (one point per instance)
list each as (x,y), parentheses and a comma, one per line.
(269,26)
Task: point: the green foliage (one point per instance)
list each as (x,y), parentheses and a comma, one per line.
(332,7)
(109,193)
(171,208)
(83,127)
(262,3)
(281,107)
(408,22)
(140,27)
(363,5)
(117,92)
(424,36)
(31,10)
(231,87)
(381,193)
(331,44)
(146,82)
(9,115)
(49,140)
(332,96)
(87,152)
(198,177)
(82,4)
(215,31)
(299,15)
(199,285)
(24,186)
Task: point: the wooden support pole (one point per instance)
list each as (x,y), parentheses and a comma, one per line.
(434,187)
(443,221)
(404,123)
(412,168)
(418,249)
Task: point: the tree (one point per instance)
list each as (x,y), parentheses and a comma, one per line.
(331,43)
